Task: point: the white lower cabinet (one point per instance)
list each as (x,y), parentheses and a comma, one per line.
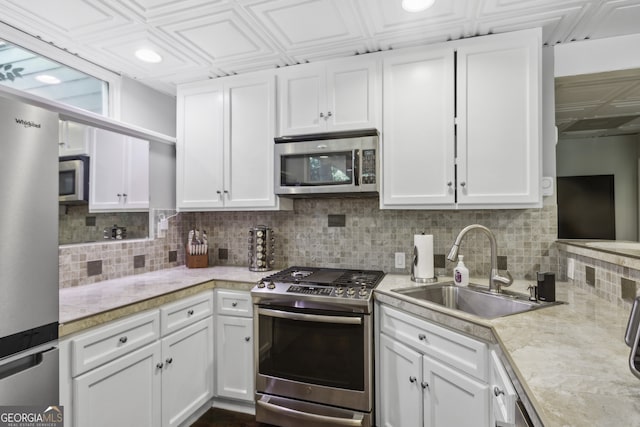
(125,392)
(187,372)
(234,346)
(416,388)
(127,373)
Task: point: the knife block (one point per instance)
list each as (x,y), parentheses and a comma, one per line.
(196,261)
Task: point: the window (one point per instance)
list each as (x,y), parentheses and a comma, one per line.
(27,71)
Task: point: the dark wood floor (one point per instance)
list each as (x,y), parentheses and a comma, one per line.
(216,417)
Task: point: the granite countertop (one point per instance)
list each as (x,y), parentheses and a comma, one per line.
(570,359)
(85,306)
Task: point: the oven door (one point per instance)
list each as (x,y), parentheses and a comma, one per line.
(317,356)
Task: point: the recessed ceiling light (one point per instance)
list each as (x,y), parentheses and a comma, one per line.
(45,78)
(417,5)
(148,55)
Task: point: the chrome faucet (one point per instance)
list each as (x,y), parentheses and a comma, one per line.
(496,281)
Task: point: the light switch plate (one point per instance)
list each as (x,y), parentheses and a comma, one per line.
(400,260)
(547,186)
(571,268)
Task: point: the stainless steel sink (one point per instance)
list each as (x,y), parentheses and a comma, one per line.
(474,300)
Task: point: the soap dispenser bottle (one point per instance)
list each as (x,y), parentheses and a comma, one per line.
(461,273)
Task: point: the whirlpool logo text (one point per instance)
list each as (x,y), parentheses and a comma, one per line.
(28,123)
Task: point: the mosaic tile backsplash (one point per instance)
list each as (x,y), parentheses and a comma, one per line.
(368,239)
(370,236)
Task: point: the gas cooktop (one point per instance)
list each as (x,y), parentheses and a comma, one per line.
(337,286)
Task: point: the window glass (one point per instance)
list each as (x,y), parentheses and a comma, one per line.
(30,72)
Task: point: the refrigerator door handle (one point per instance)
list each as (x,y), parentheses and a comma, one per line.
(22,364)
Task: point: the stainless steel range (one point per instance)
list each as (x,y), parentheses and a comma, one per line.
(314,347)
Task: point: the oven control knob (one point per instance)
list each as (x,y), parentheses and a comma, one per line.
(339,290)
(363,292)
(351,291)
(261,285)
(271,285)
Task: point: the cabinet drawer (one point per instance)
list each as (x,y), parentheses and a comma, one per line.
(185,312)
(109,342)
(465,354)
(234,303)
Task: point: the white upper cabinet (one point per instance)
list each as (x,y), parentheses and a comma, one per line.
(484,150)
(499,125)
(119,172)
(332,96)
(418,143)
(225,144)
(74,139)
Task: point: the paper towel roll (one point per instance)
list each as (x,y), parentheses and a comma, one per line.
(423,247)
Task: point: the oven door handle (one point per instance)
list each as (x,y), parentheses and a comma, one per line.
(356,421)
(311,317)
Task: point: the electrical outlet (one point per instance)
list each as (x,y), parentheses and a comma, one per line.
(571,268)
(400,260)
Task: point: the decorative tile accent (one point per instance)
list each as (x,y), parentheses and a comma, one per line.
(223,254)
(337,220)
(138,261)
(173,256)
(94,268)
(628,289)
(590,275)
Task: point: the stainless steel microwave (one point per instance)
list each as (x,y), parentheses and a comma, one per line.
(327,164)
(73,180)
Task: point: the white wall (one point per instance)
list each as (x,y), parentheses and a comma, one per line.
(143,106)
(597,56)
(615,155)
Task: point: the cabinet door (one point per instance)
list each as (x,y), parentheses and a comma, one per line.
(418,119)
(352,95)
(74,139)
(302,99)
(106,186)
(400,385)
(249,130)
(234,357)
(499,128)
(125,392)
(199,148)
(452,398)
(136,174)
(187,377)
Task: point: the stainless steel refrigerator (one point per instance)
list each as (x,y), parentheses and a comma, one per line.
(28,254)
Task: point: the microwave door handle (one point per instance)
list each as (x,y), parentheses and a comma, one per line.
(356,167)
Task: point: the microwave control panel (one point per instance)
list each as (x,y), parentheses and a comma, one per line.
(369,166)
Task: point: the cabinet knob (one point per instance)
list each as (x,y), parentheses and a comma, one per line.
(159,365)
(218,192)
(497,391)
(321,114)
(234,304)
(424,385)
(169,360)
(329,114)
(247,339)
(412,379)
(463,184)
(422,337)
(123,339)
(190,312)
(449,184)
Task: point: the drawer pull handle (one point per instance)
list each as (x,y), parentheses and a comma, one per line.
(412,379)
(123,339)
(247,339)
(159,365)
(497,391)
(169,360)
(422,337)
(234,304)
(424,385)
(190,312)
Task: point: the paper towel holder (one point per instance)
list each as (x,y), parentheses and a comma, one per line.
(414,263)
